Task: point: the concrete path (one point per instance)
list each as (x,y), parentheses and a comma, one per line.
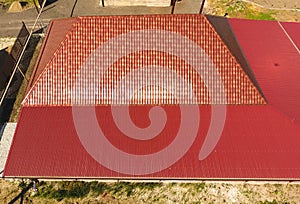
(6,136)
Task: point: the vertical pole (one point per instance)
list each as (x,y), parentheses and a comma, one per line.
(102,3)
(202,6)
(36,7)
(73,8)
(173,2)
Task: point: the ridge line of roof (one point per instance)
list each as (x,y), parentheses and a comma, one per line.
(46,68)
(242,59)
(248,64)
(39,58)
(253,77)
(234,59)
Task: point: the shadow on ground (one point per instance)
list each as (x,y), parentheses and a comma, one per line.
(49,2)
(6,69)
(20,197)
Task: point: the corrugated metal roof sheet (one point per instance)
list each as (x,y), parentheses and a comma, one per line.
(224,29)
(293,30)
(257,143)
(86,50)
(274,60)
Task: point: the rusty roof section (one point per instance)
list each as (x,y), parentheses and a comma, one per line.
(82,70)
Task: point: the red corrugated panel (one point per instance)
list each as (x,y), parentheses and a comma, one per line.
(170,35)
(274,60)
(257,143)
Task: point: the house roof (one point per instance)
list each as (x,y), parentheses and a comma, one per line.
(254,135)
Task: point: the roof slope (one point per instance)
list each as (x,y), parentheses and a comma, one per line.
(272,50)
(56,33)
(224,29)
(257,143)
(89,34)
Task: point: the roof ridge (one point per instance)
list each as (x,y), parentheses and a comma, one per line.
(234,59)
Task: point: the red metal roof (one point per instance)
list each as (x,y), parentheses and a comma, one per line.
(56,33)
(86,42)
(272,50)
(258,141)
(292,29)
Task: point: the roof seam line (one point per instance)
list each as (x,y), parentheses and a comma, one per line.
(235,60)
(289,37)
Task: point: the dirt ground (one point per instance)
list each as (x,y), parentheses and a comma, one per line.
(292,4)
(120,192)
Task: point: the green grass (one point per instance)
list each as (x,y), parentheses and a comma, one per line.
(148,192)
(240,9)
(260,16)
(199,186)
(269,202)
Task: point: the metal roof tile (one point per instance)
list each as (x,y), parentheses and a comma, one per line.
(67,79)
